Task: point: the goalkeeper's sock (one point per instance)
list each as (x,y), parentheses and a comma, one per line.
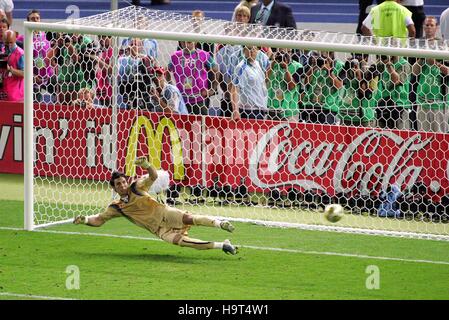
(205,221)
(196,243)
(218,245)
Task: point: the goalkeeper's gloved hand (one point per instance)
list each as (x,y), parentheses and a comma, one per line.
(142,162)
(80,220)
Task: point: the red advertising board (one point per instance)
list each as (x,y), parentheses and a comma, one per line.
(11,137)
(80,143)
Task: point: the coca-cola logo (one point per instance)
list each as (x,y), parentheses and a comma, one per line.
(353,166)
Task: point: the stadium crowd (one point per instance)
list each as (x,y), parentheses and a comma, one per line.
(244,81)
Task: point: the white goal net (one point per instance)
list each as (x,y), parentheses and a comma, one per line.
(256,124)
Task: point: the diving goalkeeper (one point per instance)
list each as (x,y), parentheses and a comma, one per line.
(169,224)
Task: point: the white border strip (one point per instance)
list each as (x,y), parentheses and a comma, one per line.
(325,253)
(32,296)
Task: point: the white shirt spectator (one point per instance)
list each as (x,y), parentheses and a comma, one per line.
(444,24)
(250,80)
(230,56)
(7,6)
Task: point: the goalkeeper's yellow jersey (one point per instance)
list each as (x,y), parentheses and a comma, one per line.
(140,208)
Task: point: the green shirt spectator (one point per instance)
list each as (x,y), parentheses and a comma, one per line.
(431,93)
(357,107)
(322,90)
(284,85)
(394,82)
(392,96)
(70,74)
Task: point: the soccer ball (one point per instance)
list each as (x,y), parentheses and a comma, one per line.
(333,212)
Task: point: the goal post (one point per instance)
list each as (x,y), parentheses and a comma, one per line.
(28,133)
(277,171)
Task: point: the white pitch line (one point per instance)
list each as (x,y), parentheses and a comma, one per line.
(84,234)
(324,253)
(341,254)
(20,295)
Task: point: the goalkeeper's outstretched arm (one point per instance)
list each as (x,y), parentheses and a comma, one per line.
(145,183)
(98,219)
(93,221)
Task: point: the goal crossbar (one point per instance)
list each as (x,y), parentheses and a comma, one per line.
(164,28)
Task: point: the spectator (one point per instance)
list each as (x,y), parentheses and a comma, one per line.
(241,15)
(392,95)
(135,77)
(73,60)
(104,71)
(244,3)
(389,19)
(229,56)
(4,25)
(432,95)
(321,97)
(430,36)
(87,50)
(444,24)
(249,91)
(197,22)
(150,46)
(416,7)
(273,13)
(364,8)
(7,6)
(190,68)
(430,28)
(42,70)
(303,56)
(390,202)
(359,82)
(284,84)
(167,95)
(85,99)
(12,70)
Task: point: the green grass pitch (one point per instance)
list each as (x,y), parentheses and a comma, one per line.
(122,261)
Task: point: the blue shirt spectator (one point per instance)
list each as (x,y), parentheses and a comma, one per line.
(150,46)
(390,204)
(249,87)
(228,57)
(170,98)
(173,97)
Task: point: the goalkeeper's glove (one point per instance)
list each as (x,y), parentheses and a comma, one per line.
(80,220)
(142,162)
